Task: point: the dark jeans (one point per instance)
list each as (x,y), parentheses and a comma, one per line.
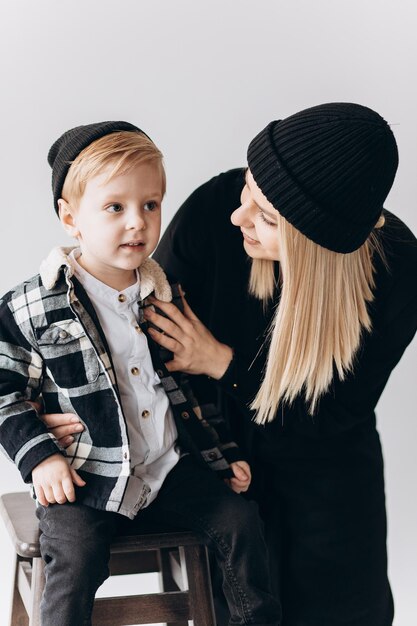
(75,543)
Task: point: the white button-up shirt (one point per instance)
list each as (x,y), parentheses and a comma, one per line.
(150,423)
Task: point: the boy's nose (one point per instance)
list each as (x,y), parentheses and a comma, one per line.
(135,221)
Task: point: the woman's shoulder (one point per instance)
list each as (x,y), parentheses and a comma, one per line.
(218,196)
(399,245)
(396,268)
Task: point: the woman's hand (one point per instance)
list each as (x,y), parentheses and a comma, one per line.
(62,425)
(242,476)
(195,349)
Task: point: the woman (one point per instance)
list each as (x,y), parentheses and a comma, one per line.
(297,331)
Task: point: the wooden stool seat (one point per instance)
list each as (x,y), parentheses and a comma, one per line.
(180,557)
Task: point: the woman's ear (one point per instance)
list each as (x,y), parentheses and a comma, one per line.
(67,218)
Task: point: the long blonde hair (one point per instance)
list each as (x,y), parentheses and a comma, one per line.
(320,318)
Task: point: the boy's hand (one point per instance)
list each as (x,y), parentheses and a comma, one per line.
(53,480)
(242,476)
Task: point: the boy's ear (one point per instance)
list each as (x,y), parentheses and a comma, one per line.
(67,218)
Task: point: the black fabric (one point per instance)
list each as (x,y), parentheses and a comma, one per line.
(69,145)
(327,170)
(308,473)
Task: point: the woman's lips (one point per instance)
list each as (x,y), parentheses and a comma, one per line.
(246,237)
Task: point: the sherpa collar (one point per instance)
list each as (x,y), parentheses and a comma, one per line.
(152,276)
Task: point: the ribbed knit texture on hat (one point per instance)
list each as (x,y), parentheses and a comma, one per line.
(328,171)
(72,142)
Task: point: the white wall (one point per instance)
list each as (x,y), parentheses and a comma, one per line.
(202,78)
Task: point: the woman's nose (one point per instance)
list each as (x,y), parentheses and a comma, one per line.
(242,216)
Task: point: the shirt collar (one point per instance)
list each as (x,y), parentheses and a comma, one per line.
(151,276)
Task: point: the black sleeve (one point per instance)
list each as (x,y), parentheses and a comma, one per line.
(182,251)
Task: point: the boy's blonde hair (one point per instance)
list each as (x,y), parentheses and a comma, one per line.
(121,151)
(321,316)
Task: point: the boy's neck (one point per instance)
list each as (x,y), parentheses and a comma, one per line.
(117,280)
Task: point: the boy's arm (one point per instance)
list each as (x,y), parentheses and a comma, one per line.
(23,436)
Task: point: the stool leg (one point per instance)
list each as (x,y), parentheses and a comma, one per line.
(168,582)
(18,616)
(38,584)
(199,584)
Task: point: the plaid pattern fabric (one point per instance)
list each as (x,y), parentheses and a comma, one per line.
(52,345)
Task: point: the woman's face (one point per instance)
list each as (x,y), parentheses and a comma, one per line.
(257,219)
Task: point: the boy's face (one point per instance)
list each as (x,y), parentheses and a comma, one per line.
(117,223)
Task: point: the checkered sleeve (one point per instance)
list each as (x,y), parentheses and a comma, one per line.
(207,409)
(23,436)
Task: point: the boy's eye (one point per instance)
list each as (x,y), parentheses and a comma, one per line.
(114,208)
(150,206)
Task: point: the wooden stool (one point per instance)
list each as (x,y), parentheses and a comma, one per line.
(180,558)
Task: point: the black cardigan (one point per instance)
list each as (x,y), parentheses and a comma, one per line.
(204,252)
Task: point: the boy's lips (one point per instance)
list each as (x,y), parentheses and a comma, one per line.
(133,244)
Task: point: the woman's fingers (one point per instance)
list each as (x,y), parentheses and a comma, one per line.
(52,420)
(163,340)
(174,314)
(174,325)
(63,426)
(61,432)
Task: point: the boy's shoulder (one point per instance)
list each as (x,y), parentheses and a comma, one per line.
(35,302)
(48,281)
(21,290)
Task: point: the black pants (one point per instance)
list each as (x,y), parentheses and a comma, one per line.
(325,525)
(75,543)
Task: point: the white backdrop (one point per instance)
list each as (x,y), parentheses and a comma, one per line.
(202,78)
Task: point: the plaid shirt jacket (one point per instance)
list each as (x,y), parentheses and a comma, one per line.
(52,345)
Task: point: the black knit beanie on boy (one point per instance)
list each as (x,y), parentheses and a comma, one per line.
(72,142)
(327,170)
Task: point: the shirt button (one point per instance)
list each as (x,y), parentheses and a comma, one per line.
(135,371)
(138,329)
(160,373)
(63,334)
(145,413)
(125,455)
(212,456)
(185,415)
(121,297)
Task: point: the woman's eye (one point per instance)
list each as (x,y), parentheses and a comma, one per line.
(150,206)
(114,208)
(263,218)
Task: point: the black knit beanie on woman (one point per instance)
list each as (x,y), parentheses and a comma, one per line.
(327,170)
(67,147)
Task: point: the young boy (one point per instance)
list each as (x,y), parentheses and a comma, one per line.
(76,334)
